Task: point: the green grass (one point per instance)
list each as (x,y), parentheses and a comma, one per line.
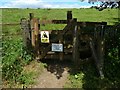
(93,15)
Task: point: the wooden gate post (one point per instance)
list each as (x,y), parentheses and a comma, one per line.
(31,16)
(35,37)
(69,16)
(75,43)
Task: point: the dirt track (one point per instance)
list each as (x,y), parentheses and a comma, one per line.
(53,76)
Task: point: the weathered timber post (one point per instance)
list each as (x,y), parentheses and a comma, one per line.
(100,51)
(26,34)
(35,36)
(31,16)
(75,43)
(69,16)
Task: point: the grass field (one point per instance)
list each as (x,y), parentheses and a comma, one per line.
(87,77)
(92,15)
(108,15)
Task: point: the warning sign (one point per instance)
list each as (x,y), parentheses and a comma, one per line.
(44,36)
(57,47)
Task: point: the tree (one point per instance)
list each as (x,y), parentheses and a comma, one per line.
(105,4)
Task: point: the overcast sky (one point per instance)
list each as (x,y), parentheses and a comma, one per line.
(44,4)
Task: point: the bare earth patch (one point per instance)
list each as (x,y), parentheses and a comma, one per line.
(54,76)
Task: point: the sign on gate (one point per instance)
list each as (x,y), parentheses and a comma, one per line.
(44,37)
(57,47)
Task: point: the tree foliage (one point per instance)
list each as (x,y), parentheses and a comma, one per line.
(105,4)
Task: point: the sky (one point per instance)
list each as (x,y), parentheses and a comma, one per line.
(45,4)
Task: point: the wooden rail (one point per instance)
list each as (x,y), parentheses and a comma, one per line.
(65,22)
(60,22)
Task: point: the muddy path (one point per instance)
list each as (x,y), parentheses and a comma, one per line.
(54,75)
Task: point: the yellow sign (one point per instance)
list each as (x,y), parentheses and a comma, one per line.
(44,36)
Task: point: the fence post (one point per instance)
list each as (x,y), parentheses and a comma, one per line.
(31,16)
(69,16)
(35,36)
(26,34)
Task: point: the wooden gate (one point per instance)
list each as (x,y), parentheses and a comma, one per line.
(76,40)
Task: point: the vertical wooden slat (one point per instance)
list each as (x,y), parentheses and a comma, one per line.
(75,43)
(100,52)
(61,53)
